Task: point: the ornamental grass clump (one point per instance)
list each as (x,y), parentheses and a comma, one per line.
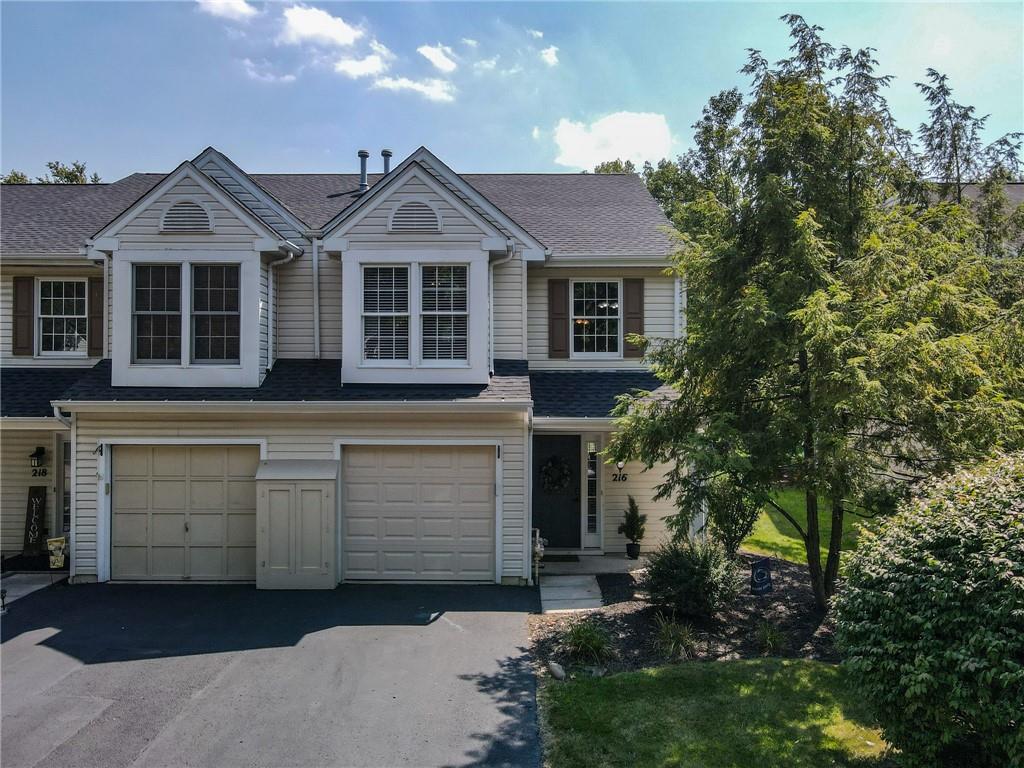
(930,620)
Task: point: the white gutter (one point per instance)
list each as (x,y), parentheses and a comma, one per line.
(61,417)
(292,251)
(48,423)
(293,406)
(509,253)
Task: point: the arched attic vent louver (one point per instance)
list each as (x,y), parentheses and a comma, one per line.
(415,216)
(186,216)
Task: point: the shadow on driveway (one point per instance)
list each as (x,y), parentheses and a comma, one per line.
(98,623)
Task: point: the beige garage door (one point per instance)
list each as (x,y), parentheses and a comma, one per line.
(184,512)
(418,513)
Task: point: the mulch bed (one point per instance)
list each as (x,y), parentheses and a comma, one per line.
(732,634)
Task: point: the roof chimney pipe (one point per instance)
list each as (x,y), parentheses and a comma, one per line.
(386,154)
(363,155)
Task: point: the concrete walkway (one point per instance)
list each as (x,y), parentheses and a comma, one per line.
(20,584)
(560,594)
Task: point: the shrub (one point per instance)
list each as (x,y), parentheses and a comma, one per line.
(586,640)
(732,512)
(691,578)
(632,525)
(770,638)
(931,620)
(673,639)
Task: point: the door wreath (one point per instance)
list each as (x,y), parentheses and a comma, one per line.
(555,475)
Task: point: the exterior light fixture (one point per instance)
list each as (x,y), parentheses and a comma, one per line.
(620,464)
(37,456)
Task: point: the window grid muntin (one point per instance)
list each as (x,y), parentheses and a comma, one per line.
(444,311)
(216,317)
(156,313)
(386,313)
(593,471)
(596,317)
(63,317)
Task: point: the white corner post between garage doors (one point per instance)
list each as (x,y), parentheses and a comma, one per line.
(105,448)
(420,509)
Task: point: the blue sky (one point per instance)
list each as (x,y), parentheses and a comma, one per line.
(299,87)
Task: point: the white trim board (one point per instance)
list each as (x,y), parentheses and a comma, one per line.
(499,482)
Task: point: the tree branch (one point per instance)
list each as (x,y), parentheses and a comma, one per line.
(785,514)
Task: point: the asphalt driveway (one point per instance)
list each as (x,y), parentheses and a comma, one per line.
(189,675)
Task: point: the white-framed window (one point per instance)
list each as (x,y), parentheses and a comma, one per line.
(444,311)
(156,313)
(597,318)
(216,316)
(62,317)
(385,313)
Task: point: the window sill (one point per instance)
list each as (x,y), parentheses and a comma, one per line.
(62,355)
(595,356)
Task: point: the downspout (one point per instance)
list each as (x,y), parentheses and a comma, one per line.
(61,417)
(316,297)
(291,251)
(509,253)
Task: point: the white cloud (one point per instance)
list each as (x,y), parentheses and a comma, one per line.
(431,88)
(236,10)
(536,34)
(263,74)
(375,63)
(313,25)
(470,42)
(550,55)
(441,56)
(636,136)
(486,64)
(535,133)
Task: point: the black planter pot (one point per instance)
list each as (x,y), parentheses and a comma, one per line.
(632,550)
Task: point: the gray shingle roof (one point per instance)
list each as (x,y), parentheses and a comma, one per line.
(588,394)
(27,392)
(310,381)
(57,218)
(571,213)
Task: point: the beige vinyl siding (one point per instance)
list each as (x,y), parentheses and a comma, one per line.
(307,437)
(457,230)
(330,307)
(264,319)
(615,498)
(293,313)
(509,310)
(16,478)
(7,318)
(659,311)
(229,232)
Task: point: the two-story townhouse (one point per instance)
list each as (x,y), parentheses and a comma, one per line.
(300,379)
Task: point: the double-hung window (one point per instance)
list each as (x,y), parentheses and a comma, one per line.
(216,322)
(596,318)
(156,313)
(386,313)
(63,319)
(444,312)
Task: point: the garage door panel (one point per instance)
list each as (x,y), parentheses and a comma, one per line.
(178,514)
(418,513)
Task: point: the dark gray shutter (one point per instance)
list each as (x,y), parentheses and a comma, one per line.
(558,319)
(632,313)
(96,301)
(23,320)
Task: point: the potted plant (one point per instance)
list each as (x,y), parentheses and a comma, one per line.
(632,527)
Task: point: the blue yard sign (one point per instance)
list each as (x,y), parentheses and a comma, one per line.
(761,576)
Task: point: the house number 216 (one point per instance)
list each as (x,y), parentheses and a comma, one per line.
(620,477)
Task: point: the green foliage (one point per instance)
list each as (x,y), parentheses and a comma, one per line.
(844,337)
(615,166)
(673,639)
(731,512)
(716,714)
(59,173)
(691,578)
(14,177)
(770,639)
(586,640)
(931,620)
(632,525)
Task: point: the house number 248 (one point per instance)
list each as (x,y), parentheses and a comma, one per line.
(620,477)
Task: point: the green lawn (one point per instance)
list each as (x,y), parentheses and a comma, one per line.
(774,535)
(733,714)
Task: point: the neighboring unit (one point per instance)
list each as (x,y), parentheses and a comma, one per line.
(298,380)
